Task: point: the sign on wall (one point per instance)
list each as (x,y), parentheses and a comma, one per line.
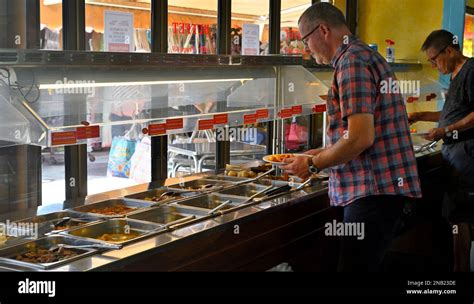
(118,32)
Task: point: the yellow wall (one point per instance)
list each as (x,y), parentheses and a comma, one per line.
(407,22)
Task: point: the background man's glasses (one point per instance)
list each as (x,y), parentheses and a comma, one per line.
(433,59)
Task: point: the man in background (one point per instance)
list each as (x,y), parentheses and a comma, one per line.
(456,128)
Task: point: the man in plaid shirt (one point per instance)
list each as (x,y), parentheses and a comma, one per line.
(369,155)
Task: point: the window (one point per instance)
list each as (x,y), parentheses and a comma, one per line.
(290,36)
(192,26)
(252,18)
(51,19)
(118,26)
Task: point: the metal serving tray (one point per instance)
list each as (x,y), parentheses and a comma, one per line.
(212,201)
(170,215)
(46,223)
(116,226)
(196,184)
(148,195)
(245,190)
(226,178)
(87,209)
(7,255)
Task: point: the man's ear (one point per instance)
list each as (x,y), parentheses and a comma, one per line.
(325,30)
(451,51)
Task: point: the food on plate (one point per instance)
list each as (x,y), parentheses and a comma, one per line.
(278,158)
(118,237)
(43,255)
(113,210)
(232,173)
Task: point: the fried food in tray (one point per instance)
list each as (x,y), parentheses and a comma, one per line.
(113,210)
(118,237)
(41,255)
(159,198)
(69,224)
(285,177)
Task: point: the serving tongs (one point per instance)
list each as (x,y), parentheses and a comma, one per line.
(428,146)
(67,219)
(180,222)
(251,180)
(286,188)
(227,202)
(59,247)
(251,198)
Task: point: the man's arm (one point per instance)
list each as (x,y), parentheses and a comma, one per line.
(359,136)
(463,124)
(423,116)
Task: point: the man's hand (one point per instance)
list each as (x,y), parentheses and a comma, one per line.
(435,134)
(298,166)
(413,117)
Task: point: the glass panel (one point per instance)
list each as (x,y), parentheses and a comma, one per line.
(302,90)
(296,134)
(291,43)
(118,26)
(63,99)
(254,16)
(192,26)
(53,176)
(51,19)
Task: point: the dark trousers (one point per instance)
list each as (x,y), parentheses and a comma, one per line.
(381,217)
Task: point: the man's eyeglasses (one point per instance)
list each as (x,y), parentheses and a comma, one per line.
(309,34)
(433,59)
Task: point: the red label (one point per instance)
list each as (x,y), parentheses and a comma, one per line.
(250,119)
(157,129)
(297,110)
(221,119)
(286,113)
(319,108)
(173,124)
(88,132)
(63,138)
(263,113)
(205,124)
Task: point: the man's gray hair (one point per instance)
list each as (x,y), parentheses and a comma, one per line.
(323,12)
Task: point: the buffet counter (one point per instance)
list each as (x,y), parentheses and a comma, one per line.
(192,231)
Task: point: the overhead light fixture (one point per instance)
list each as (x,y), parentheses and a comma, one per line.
(57,86)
